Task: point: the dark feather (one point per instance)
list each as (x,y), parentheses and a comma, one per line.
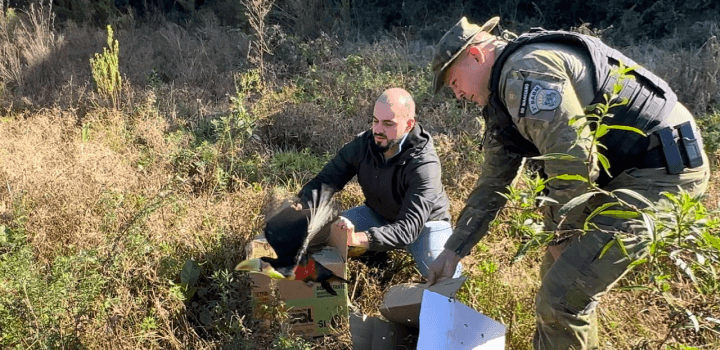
(295,233)
(321,213)
(285,232)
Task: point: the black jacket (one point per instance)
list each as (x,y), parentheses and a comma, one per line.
(406,190)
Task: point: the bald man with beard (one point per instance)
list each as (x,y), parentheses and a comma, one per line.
(399,172)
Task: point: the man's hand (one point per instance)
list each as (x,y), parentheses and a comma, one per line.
(357,242)
(443,267)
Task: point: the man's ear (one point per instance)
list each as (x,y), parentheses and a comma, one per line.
(477,54)
(410,124)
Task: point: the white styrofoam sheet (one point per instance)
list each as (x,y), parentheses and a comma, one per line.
(449,324)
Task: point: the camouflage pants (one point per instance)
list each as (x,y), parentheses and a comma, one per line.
(573,284)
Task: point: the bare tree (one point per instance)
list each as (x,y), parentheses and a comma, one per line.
(257,11)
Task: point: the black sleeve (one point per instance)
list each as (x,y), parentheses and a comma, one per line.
(424,189)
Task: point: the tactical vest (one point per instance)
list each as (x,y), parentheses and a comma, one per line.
(650,99)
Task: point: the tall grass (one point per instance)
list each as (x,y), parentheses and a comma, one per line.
(27,41)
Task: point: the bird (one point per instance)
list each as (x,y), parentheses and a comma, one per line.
(295,235)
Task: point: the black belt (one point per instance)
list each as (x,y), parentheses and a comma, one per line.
(655,158)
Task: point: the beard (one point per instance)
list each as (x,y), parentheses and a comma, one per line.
(382,149)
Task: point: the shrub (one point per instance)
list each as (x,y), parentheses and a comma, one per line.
(41,305)
(710,127)
(105,70)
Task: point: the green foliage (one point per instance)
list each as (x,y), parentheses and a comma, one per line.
(219,305)
(681,347)
(710,126)
(10,238)
(234,129)
(484,290)
(682,239)
(148,324)
(11,20)
(169,298)
(522,215)
(189,276)
(319,50)
(299,167)
(214,161)
(341,89)
(357,82)
(85,132)
(225,307)
(288,342)
(105,69)
(246,83)
(676,230)
(594,122)
(590,128)
(40,305)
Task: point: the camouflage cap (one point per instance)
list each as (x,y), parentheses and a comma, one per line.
(452,44)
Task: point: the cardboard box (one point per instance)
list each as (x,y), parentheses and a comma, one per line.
(313,311)
(446,323)
(374,333)
(402,302)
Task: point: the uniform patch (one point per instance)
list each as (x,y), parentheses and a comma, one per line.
(524,101)
(543,99)
(533,95)
(537,98)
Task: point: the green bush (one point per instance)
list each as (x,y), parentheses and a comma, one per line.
(41,305)
(296,167)
(105,68)
(710,126)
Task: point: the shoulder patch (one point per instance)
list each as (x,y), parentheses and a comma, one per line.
(540,99)
(533,96)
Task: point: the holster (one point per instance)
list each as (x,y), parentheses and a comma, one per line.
(674,148)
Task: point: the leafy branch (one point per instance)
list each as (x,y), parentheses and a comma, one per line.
(590,128)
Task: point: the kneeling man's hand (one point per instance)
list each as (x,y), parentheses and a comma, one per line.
(443,267)
(357,242)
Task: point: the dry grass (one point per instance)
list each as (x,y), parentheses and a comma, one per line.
(103,206)
(692,73)
(43,67)
(61,178)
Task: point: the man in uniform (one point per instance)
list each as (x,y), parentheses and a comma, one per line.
(399,172)
(531,87)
